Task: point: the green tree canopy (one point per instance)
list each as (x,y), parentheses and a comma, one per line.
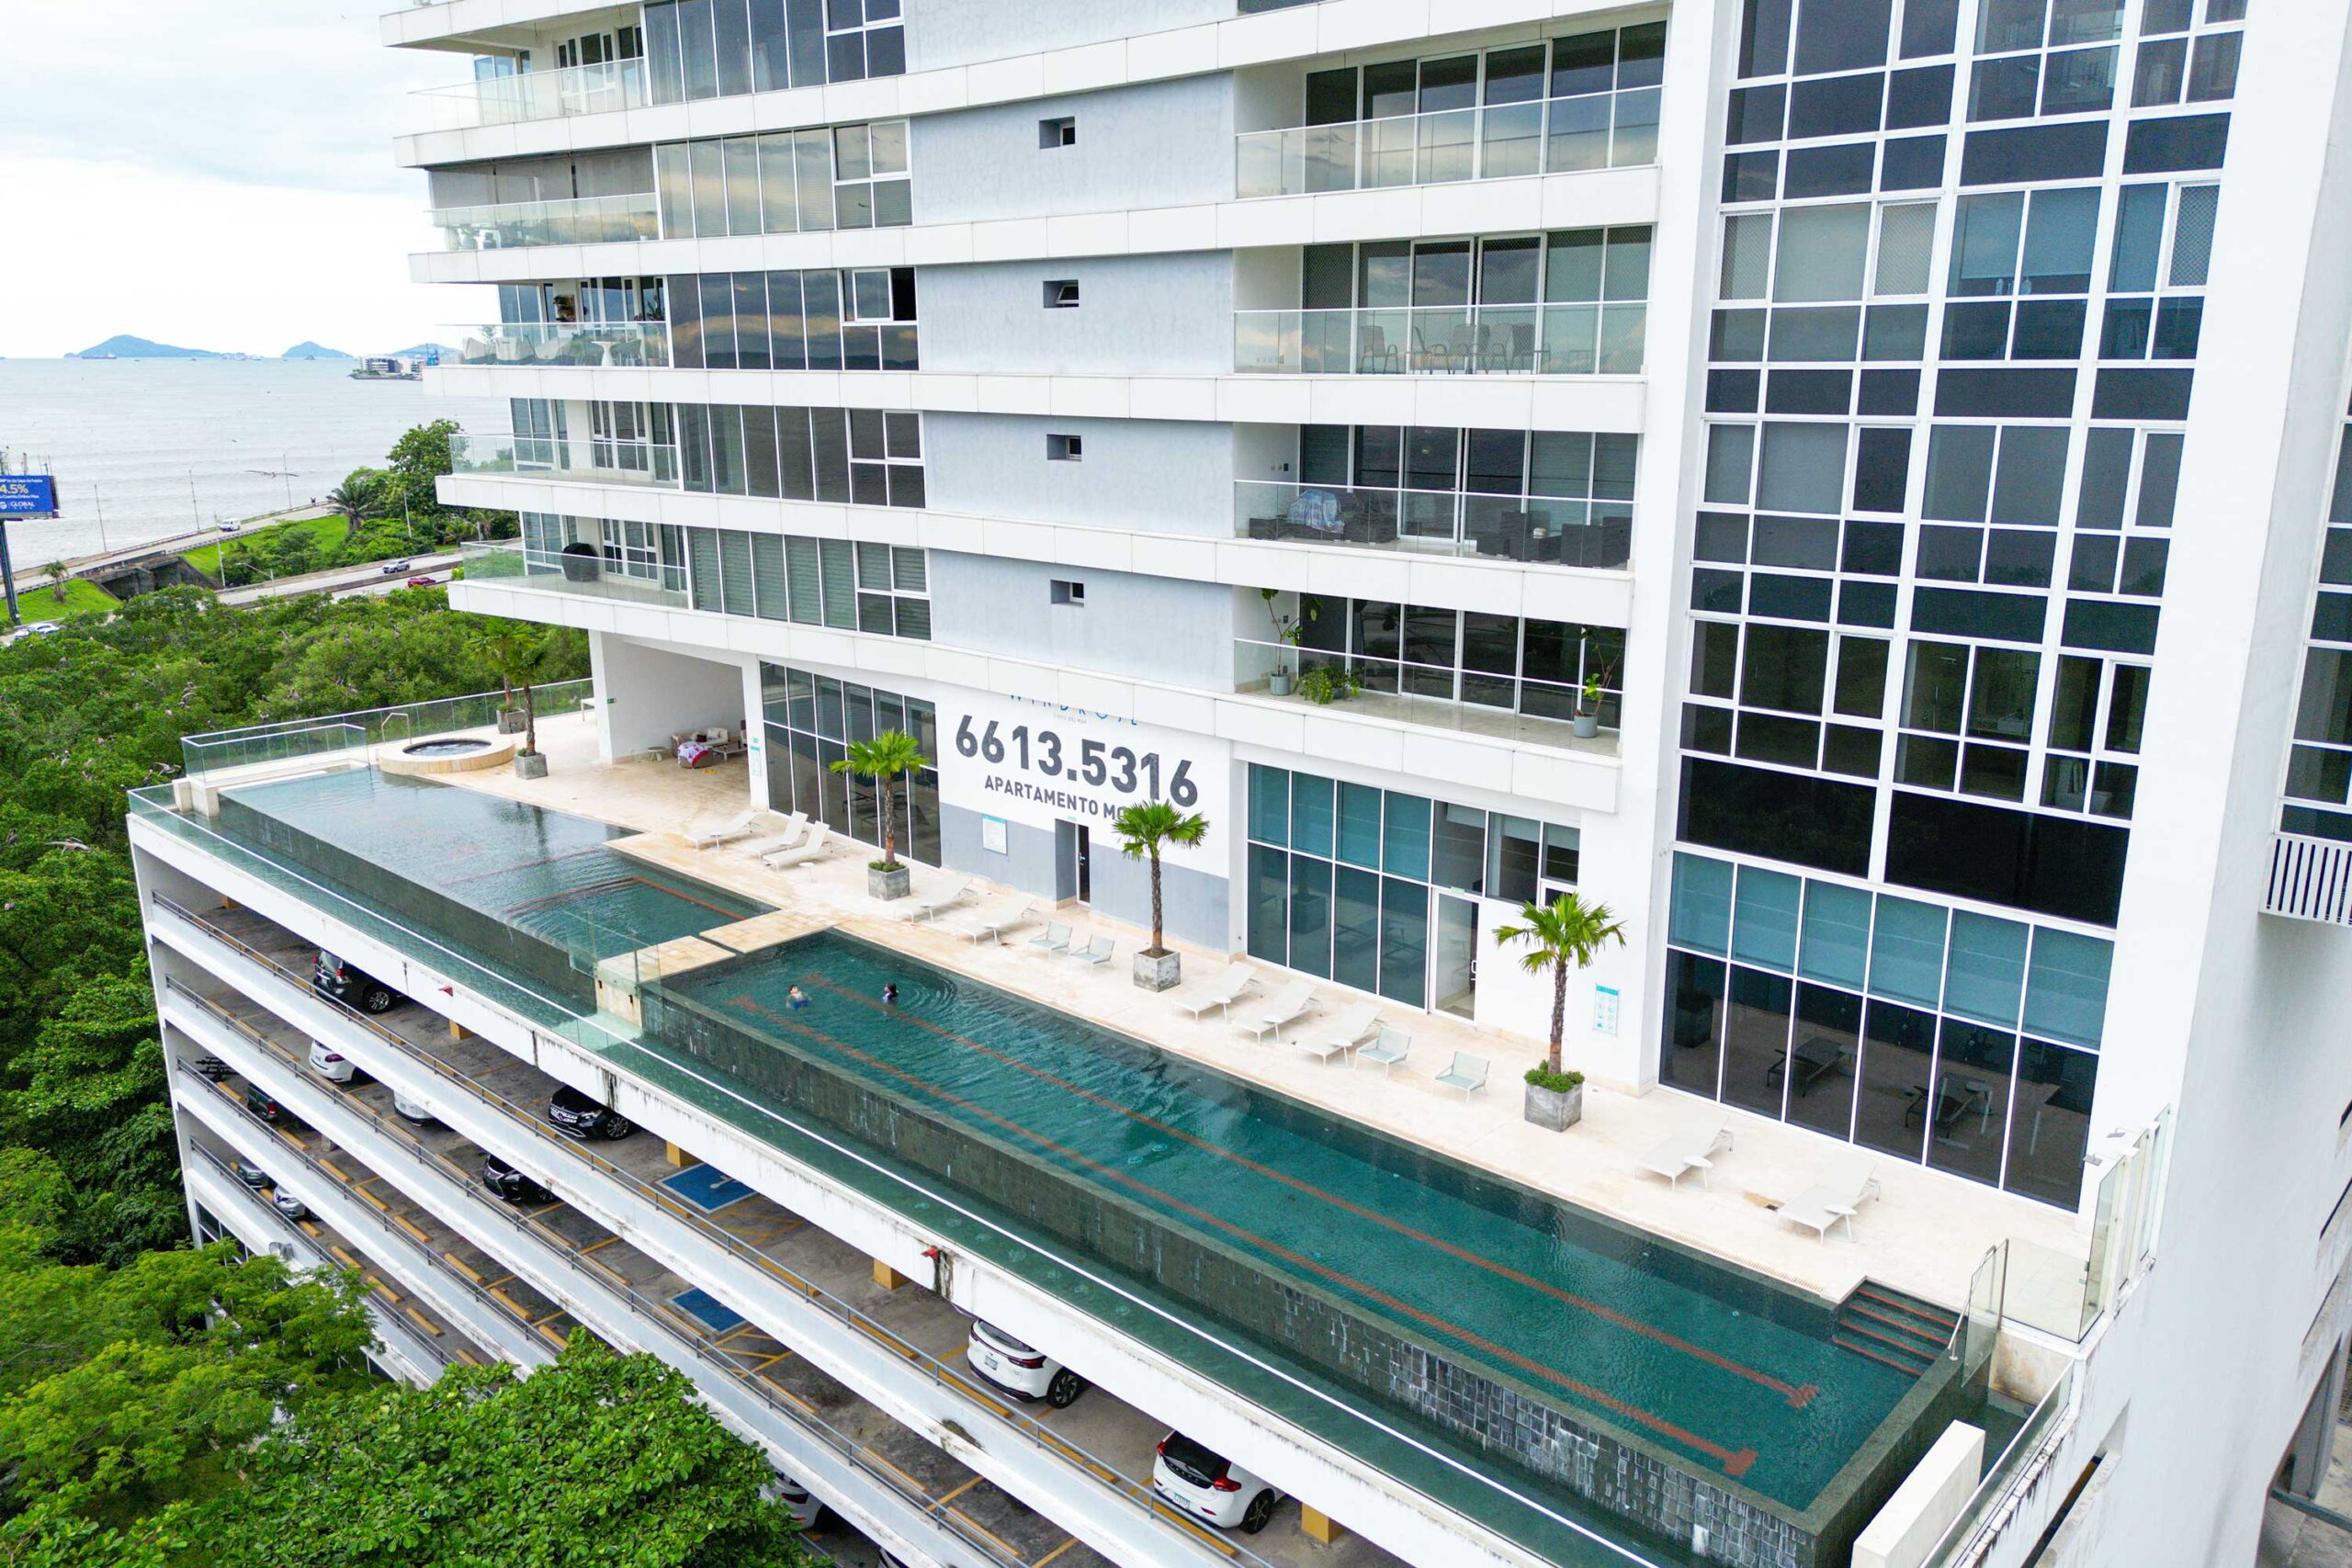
(886,759)
(1144,830)
(1563,935)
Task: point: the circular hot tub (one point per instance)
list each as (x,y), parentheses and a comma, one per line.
(448,754)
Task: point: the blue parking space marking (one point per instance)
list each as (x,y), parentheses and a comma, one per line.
(707,1187)
(707,1310)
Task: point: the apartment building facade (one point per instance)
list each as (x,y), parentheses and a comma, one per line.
(1844,483)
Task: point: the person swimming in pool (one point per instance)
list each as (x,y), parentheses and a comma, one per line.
(796,998)
(890,992)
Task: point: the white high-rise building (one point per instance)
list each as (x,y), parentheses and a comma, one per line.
(1845,484)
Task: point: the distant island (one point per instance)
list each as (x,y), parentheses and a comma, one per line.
(123,345)
(309,350)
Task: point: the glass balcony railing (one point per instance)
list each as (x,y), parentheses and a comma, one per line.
(1597,130)
(536,95)
(631,345)
(1443,340)
(585,573)
(1511,708)
(1556,531)
(574,220)
(587,462)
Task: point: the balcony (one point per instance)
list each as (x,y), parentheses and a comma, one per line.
(589,462)
(601,88)
(573,220)
(608,345)
(1443,340)
(1531,528)
(1596,130)
(1499,706)
(588,575)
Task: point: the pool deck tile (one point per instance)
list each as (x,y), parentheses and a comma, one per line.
(1924,1234)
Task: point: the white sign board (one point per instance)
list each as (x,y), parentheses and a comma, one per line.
(1042,763)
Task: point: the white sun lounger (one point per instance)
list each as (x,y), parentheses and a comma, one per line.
(1692,1149)
(819,839)
(736,827)
(1346,1033)
(1220,992)
(1284,1007)
(930,906)
(992,919)
(796,828)
(1838,1190)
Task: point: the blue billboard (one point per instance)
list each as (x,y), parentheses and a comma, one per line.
(28,495)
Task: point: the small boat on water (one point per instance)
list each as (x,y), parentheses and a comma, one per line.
(388,369)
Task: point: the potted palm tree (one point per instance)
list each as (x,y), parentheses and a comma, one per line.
(1567,934)
(1144,830)
(519,655)
(886,759)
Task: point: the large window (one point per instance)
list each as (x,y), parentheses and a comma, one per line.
(858,456)
(1529,667)
(707,49)
(812,720)
(2319,764)
(852,319)
(1939,1035)
(850,176)
(1340,876)
(884,590)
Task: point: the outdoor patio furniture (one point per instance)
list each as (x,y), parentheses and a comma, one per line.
(1097,949)
(1837,1191)
(1345,1034)
(796,828)
(1388,1047)
(819,841)
(1692,1149)
(736,827)
(1220,991)
(1816,1057)
(930,906)
(1055,938)
(993,918)
(1465,1072)
(1284,1007)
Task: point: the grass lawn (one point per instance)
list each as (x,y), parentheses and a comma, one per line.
(81,598)
(325,532)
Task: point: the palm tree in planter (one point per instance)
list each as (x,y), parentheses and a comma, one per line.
(1144,830)
(1567,934)
(887,758)
(519,655)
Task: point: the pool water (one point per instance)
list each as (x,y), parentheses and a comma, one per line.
(1733,1376)
(549,873)
(443,748)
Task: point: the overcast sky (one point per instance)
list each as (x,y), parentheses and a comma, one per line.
(217,174)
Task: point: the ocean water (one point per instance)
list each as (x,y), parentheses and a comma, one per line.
(148,448)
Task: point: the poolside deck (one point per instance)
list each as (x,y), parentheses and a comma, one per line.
(1925,1234)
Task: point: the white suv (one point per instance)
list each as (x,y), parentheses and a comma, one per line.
(1019,1369)
(332,1066)
(1211,1486)
(795,1500)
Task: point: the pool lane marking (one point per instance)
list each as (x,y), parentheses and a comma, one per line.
(1798,1395)
(1734,1462)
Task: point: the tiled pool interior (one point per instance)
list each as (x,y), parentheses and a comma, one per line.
(1712,1373)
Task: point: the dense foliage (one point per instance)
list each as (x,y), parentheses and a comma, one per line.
(384,513)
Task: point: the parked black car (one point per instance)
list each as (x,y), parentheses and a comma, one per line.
(351,985)
(576,1116)
(268,1109)
(512,1184)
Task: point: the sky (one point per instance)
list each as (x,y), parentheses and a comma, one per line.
(215,174)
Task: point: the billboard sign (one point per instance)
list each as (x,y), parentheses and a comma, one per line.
(28,495)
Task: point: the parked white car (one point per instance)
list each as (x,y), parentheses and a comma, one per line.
(332,1066)
(415,1109)
(1209,1486)
(287,1204)
(1020,1371)
(804,1508)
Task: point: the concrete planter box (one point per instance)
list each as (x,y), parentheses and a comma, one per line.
(1559,1110)
(1160,973)
(530,764)
(510,721)
(896,882)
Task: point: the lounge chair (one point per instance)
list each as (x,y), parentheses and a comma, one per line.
(1693,1148)
(1055,938)
(1839,1188)
(736,827)
(930,906)
(1388,1047)
(819,839)
(1465,1072)
(1284,1007)
(1345,1034)
(796,828)
(1097,951)
(1219,992)
(992,919)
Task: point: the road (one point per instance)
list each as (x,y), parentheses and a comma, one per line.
(177,544)
(343,581)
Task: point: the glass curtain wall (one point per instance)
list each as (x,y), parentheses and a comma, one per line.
(786,182)
(853,319)
(709,49)
(811,721)
(855,456)
(1467,656)
(883,589)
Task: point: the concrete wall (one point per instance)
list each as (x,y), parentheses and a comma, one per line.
(1004,607)
(1165,144)
(961,32)
(1193,904)
(1161,315)
(650,694)
(1170,476)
